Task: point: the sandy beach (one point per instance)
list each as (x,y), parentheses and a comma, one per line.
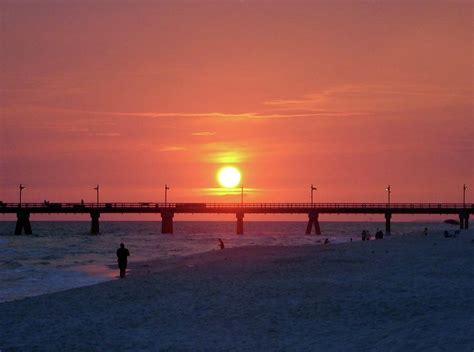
(405,293)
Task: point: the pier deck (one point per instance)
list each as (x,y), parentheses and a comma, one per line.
(167,211)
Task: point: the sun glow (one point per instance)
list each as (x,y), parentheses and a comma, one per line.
(228,177)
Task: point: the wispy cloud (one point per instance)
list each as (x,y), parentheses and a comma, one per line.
(222,115)
(172,148)
(107,134)
(359,99)
(221,191)
(219,115)
(225,153)
(348,100)
(204,133)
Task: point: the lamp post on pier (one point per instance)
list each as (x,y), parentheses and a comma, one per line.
(241,195)
(464,189)
(389,192)
(312,189)
(97,194)
(21,190)
(166,193)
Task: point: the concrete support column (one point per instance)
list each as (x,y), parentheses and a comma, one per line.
(95,223)
(464,220)
(23,222)
(313,221)
(167,221)
(240,223)
(388,216)
(461,221)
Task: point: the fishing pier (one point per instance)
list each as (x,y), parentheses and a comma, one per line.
(168,210)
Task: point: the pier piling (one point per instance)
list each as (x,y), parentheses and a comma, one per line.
(23,222)
(167,221)
(240,223)
(95,223)
(388,217)
(313,222)
(464,220)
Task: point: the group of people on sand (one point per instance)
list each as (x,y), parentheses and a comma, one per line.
(366,236)
(448,234)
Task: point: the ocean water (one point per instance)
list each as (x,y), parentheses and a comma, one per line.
(63,255)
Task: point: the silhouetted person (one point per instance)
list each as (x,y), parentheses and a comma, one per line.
(221,243)
(122,254)
(379,234)
(426,231)
(448,235)
(364,235)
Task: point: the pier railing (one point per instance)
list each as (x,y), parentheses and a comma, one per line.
(52,207)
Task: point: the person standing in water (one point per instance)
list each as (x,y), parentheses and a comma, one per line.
(122,254)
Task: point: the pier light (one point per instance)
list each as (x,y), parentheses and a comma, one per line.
(312,189)
(21,190)
(464,189)
(166,193)
(97,194)
(241,195)
(389,191)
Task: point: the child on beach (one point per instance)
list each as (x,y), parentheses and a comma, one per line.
(221,243)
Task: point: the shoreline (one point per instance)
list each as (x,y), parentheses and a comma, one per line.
(93,274)
(405,292)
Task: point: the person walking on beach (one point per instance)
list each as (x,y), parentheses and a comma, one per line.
(122,254)
(221,243)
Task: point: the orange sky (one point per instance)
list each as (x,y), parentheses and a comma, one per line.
(347,95)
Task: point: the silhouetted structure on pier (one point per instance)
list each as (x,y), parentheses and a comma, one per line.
(167,211)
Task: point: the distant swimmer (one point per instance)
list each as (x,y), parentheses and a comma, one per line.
(326,241)
(221,243)
(122,254)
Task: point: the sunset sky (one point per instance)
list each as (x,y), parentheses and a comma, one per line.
(348,95)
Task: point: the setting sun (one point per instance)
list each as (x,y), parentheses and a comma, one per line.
(228,177)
